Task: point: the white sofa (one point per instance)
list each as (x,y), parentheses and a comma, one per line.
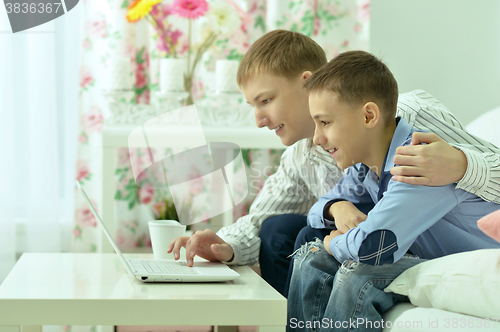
(468,287)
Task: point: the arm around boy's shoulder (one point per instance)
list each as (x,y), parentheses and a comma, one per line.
(424,112)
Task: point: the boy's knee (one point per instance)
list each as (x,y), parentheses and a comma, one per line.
(308,234)
(287,224)
(300,255)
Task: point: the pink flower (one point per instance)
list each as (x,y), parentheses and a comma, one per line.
(317,25)
(84,217)
(140,77)
(82,138)
(124,157)
(77,232)
(158,208)
(146,193)
(364,11)
(82,170)
(98,28)
(254,7)
(345,43)
(141,177)
(161,12)
(87,44)
(246,18)
(86,77)
(173,35)
(93,120)
(191,9)
(198,89)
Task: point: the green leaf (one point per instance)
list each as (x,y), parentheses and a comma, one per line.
(124,4)
(139,58)
(308,20)
(119,171)
(131,205)
(141,90)
(234,55)
(245,153)
(130,196)
(260,23)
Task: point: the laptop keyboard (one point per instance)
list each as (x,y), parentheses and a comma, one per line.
(167,267)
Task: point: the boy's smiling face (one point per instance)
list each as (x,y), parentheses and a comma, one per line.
(281,105)
(340,128)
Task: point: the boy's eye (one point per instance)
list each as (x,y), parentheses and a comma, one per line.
(266,101)
(324,123)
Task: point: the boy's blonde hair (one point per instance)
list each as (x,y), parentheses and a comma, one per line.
(358,77)
(283,53)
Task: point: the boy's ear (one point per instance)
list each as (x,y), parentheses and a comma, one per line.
(371,112)
(305,75)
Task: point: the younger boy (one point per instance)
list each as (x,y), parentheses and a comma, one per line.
(353,101)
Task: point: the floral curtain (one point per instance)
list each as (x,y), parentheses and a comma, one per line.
(337,25)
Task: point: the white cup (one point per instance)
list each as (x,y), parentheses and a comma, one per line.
(162,233)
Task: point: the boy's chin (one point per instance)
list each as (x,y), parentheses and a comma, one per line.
(288,141)
(342,165)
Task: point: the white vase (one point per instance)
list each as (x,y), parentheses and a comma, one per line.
(119,75)
(172,74)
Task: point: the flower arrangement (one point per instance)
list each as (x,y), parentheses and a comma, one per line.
(164,209)
(220,18)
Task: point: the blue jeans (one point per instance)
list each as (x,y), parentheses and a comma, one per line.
(306,234)
(277,236)
(325,295)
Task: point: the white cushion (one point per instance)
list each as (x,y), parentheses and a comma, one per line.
(467,283)
(486,126)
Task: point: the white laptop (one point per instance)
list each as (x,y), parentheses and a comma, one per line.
(166,270)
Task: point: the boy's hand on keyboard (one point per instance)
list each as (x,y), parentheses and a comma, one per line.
(205,244)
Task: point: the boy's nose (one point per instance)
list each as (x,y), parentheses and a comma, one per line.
(260,118)
(318,139)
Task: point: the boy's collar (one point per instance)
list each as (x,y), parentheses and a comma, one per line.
(401,134)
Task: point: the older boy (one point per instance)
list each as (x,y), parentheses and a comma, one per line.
(353,101)
(271,75)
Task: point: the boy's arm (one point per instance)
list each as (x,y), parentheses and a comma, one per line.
(394,223)
(475,165)
(283,193)
(349,188)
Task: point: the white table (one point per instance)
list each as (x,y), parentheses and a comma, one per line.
(116,136)
(94,289)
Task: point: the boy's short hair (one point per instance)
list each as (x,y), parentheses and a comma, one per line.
(283,53)
(358,77)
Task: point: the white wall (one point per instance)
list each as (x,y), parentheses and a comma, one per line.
(450,48)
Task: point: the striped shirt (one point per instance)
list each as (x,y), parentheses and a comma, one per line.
(307,172)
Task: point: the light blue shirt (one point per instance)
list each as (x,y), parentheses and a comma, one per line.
(430,221)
